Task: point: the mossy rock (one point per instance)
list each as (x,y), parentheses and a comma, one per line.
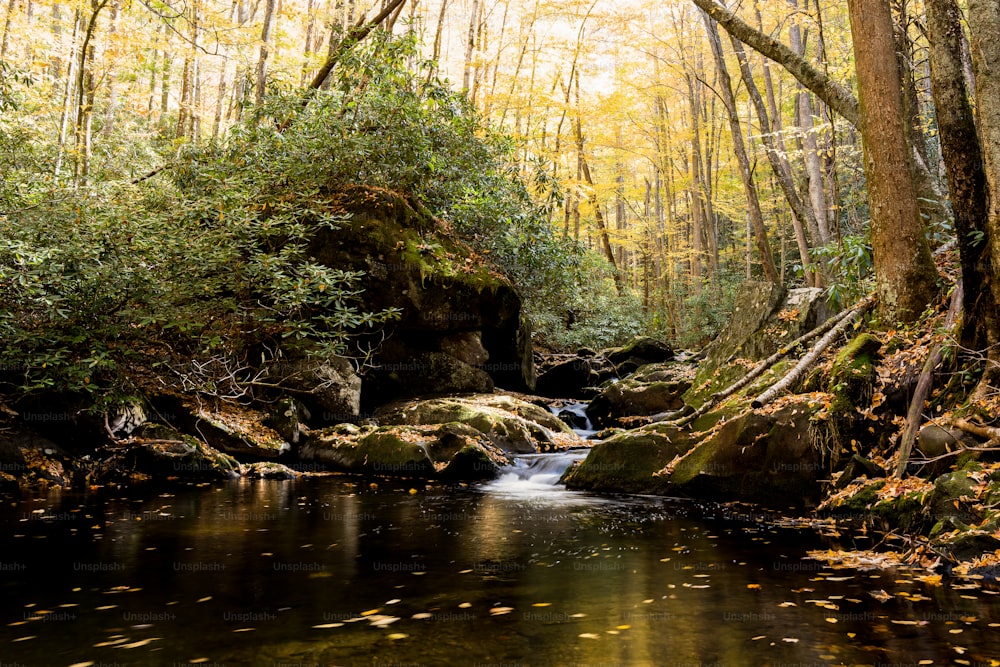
(163,454)
(945,502)
(450,450)
(269,470)
(632,398)
(512,425)
(235,430)
(31,459)
(413,263)
(765,318)
(853,374)
(629,461)
(775,456)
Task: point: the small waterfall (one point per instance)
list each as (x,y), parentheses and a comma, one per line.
(575,415)
(532,474)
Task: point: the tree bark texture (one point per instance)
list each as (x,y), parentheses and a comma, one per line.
(904,270)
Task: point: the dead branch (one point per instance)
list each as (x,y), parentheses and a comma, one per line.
(685,415)
(988,432)
(924,383)
(810,358)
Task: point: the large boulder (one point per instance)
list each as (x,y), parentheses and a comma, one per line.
(422,373)
(160,453)
(774,456)
(765,318)
(653,389)
(629,462)
(451,451)
(512,425)
(329,388)
(575,377)
(448,299)
(641,351)
(234,429)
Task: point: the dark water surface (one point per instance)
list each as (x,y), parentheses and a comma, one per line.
(331,571)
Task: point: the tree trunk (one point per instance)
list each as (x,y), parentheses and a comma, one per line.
(725,88)
(834,94)
(782,170)
(265,39)
(984,25)
(904,270)
(963,161)
(470,48)
(602,228)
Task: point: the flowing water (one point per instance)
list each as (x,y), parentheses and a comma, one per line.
(519,571)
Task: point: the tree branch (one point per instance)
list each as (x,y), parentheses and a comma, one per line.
(839,98)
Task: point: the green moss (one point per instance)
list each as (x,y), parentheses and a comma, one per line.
(626,463)
(853,372)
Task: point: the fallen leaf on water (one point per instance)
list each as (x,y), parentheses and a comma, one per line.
(588,635)
(790,640)
(831,620)
(623,627)
(24,639)
(500,611)
(542,604)
(753,587)
(421,616)
(758,638)
(398,635)
(465,605)
(371,611)
(880,595)
(326,626)
(394,601)
(382,621)
(245,630)
(82,664)
(111,642)
(140,643)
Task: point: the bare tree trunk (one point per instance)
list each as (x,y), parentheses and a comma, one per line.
(753,203)
(984,25)
(602,228)
(904,270)
(265,39)
(69,94)
(470,48)
(782,170)
(8,19)
(963,160)
(439,33)
(85,96)
(307,49)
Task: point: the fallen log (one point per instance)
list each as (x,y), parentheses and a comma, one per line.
(924,382)
(806,362)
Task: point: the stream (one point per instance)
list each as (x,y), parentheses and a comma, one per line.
(333,570)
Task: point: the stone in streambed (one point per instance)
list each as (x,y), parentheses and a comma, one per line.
(450,451)
(654,389)
(629,462)
(775,456)
(512,425)
(160,453)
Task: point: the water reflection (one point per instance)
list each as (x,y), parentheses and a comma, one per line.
(324,571)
